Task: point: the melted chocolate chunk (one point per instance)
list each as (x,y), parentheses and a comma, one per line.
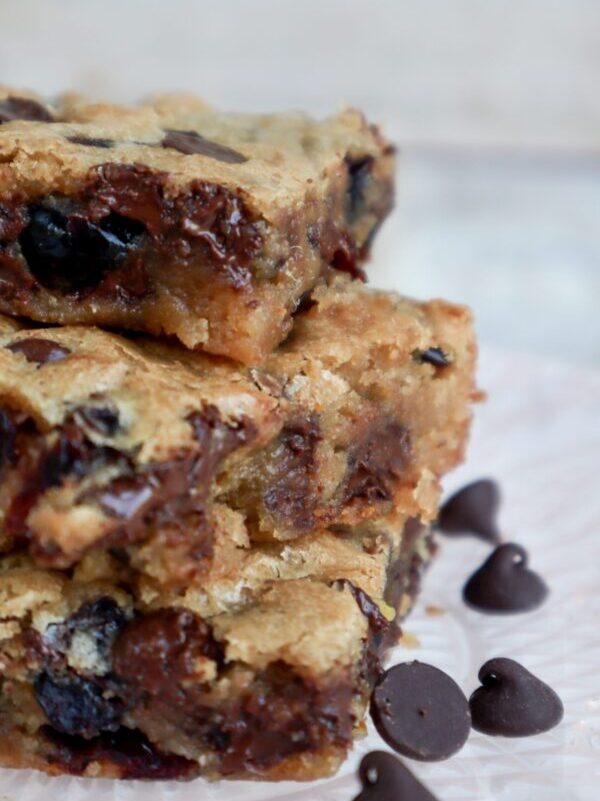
(512,701)
(69,253)
(359,176)
(377,622)
(23,108)
(376,463)
(101,419)
(87,141)
(385,778)
(158,657)
(420,712)
(504,583)
(126,749)
(40,351)
(67,453)
(192,143)
(157,652)
(434,356)
(8,435)
(207,218)
(289,496)
(472,510)
(74,705)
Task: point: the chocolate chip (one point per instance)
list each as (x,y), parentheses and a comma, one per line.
(191,143)
(90,141)
(102,419)
(434,356)
(359,175)
(376,463)
(40,351)
(70,253)
(23,108)
(8,434)
(512,701)
(385,778)
(420,711)
(504,583)
(472,510)
(288,495)
(74,705)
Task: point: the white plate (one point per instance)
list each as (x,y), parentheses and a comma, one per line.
(539,434)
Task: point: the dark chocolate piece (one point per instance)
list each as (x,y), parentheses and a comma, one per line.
(420,711)
(472,510)
(288,495)
(192,143)
(433,356)
(40,351)
(70,253)
(23,108)
(74,705)
(359,174)
(385,778)
(504,583)
(128,750)
(512,701)
(8,434)
(377,462)
(88,141)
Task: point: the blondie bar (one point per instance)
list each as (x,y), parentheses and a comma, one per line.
(133,446)
(173,218)
(260,671)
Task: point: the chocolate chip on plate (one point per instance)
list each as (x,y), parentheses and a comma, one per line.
(420,711)
(39,350)
(472,510)
(504,583)
(512,701)
(385,778)
(192,143)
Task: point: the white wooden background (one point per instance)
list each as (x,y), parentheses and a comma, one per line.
(496,106)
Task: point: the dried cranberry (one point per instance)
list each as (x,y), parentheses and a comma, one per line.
(74,705)
(71,253)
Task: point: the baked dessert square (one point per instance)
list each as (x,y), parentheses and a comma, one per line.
(175,219)
(259,671)
(135,446)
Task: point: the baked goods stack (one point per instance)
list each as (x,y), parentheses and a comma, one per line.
(220,452)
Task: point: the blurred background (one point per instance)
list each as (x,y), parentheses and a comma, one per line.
(495,107)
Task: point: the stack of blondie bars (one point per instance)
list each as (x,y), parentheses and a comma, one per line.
(220,453)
